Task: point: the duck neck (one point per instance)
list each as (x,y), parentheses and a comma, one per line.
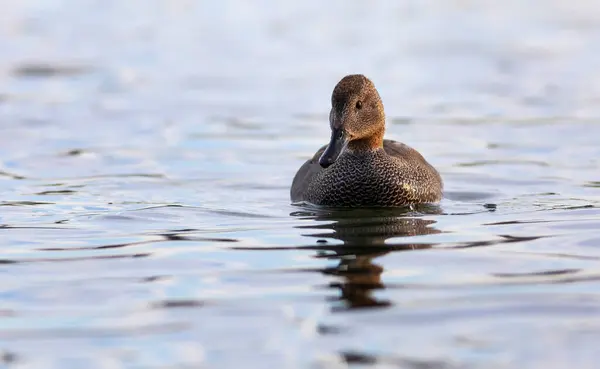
(369,143)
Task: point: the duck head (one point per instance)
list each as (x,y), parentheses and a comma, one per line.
(357,119)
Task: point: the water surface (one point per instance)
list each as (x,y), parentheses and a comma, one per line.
(146,154)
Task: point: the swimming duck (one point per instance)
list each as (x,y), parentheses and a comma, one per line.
(359,168)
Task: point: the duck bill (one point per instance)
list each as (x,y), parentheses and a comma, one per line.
(337,144)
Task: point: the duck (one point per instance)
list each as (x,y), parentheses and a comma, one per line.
(359,168)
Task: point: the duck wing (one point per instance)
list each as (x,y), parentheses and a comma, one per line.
(305,175)
(416,167)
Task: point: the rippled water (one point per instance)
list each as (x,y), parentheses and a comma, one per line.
(146,154)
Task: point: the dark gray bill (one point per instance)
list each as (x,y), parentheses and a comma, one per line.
(337,144)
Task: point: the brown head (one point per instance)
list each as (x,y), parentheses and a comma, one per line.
(357,119)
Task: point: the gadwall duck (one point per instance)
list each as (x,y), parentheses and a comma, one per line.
(358,168)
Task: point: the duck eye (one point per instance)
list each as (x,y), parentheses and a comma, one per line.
(359,104)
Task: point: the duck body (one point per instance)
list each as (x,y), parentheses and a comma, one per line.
(395,175)
(358,168)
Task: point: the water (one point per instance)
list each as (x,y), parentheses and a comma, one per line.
(146,154)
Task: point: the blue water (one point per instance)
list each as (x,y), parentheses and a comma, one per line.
(146,154)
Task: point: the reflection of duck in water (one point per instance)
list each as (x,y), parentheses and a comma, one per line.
(364,234)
